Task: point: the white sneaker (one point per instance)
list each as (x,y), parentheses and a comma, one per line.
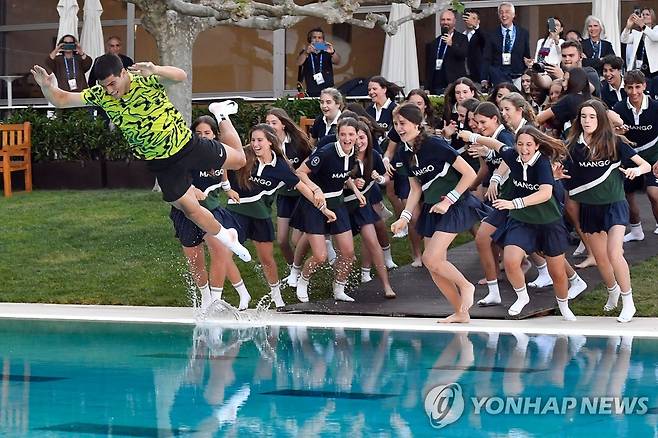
(580,250)
(576,288)
(402,233)
(225,108)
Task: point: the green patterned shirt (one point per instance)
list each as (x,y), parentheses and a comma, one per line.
(151,124)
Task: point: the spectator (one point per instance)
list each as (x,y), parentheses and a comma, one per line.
(506,49)
(548,48)
(640,31)
(501,90)
(612,86)
(574,35)
(446,55)
(476,41)
(112,45)
(595,47)
(69,63)
(315,63)
(572,57)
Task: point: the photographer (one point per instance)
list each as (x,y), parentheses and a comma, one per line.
(315,63)
(476,41)
(572,57)
(640,31)
(69,63)
(446,55)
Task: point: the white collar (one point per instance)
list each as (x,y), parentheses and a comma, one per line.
(383,107)
(645,105)
(621,86)
(261,165)
(581,140)
(523,122)
(530,163)
(406,146)
(341,153)
(333,122)
(498,130)
(287,139)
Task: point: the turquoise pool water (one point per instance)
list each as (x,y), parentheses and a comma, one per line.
(93,379)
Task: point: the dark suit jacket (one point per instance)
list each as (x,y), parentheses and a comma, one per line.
(454,62)
(474,55)
(588,50)
(492,58)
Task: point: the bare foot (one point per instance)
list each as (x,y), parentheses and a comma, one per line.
(417,263)
(456,317)
(589,261)
(389,293)
(467,298)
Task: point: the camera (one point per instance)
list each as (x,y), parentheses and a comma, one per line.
(320,46)
(69,46)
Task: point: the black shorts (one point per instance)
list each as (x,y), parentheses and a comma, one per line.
(174,174)
(190,235)
(258,230)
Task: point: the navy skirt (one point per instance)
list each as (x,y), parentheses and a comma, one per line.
(258,230)
(190,235)
(550,239)
(461,216)
(309,219)
(363,216)
(375,195)
(285,205)
(401,185)
(597,218)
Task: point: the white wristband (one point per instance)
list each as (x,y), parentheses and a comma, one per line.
(380,180)
(496,179)
(225,185)
(406,215)
(518,203)
(453,196)
(473,138)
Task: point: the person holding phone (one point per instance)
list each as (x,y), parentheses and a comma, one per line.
(69,63)
(548,48)
(316,62)
(641,32)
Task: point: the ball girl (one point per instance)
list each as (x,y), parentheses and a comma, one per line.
(368,172)
(207,183)
(535,221)
(295,147)
(456,93)
(325,172)
(595,171)
(251,196)
(382,94)
(441,178)
(331,102)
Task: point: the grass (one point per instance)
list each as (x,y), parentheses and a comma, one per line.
(118,247)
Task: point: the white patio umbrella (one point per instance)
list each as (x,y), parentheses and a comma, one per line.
(91,38)
(608,12)
(400,60)
(68,18)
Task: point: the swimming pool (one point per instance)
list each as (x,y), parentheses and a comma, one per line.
(150,380)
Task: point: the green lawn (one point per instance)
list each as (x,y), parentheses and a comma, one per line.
(118,247)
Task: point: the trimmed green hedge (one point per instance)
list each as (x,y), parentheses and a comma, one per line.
(75,134)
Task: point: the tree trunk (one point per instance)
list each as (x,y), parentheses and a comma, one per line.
(175,35)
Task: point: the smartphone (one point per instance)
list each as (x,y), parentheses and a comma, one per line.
(69,46)
(320,46)
(638,12)
(551,24)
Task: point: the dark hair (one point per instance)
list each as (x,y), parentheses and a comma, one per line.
(603,144)
(61,40)
(392,89)
(470,104)
(310,33)
(244,173)
(613,61)
(634,77)
(412,113)
(577,32)
(471,11)
(430,117)
(208,120)
(297,136)
(490,110)
(449,96)
(553,148)
(572,43)
(506,85)
(368,156)
(107,65)
(348,114)
(578,82)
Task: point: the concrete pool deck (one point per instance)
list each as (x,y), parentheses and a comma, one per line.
(551,325)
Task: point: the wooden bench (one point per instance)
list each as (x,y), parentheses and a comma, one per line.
(305,123)
(16,154)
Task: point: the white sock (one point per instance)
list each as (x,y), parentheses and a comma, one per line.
(388,258)
(563,304)
(275,292)
(244,295)
(216,292)
(613,298)
(295,272)
(576,286)
(339,292)
(636,233)
(521,341)
(206,297)
(331,252)
(627,307)
(365,275)
(580,250)
(302,289)
(493,297)
(543,278)
(229,238)
(522,299)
